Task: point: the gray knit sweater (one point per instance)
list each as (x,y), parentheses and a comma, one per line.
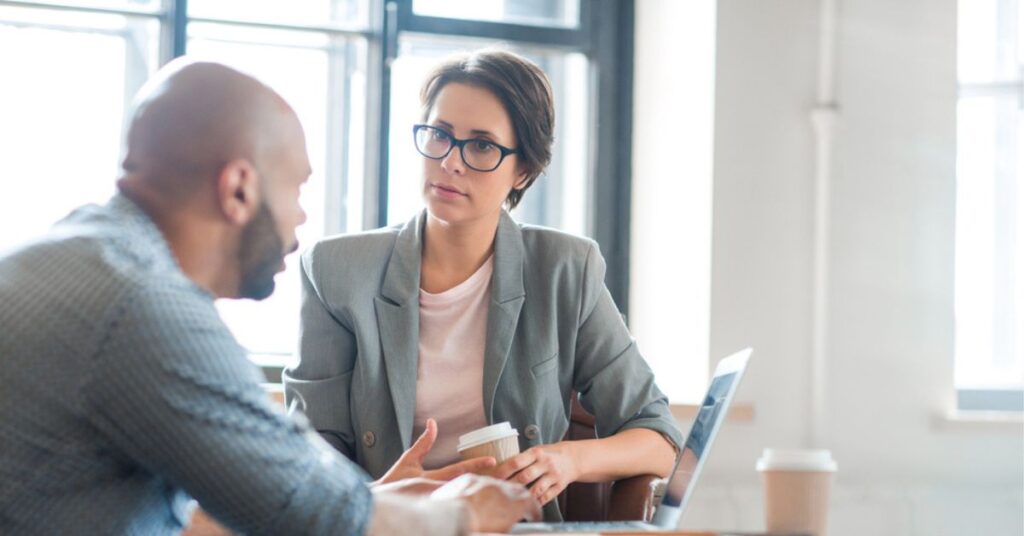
(123,394)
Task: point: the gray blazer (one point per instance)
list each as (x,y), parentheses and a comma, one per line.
(552,328)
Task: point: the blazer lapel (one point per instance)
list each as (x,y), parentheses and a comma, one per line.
(507,296)
(397,311)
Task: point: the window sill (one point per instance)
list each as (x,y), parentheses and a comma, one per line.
(738,413)
(982,421)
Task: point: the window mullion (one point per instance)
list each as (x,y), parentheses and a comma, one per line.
(387,52)
(177,13)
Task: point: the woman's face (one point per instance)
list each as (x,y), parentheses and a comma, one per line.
(453,192)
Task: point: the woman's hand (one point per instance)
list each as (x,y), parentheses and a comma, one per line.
(410,465)
(545,469)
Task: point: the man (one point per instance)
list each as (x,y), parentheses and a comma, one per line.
(122,393)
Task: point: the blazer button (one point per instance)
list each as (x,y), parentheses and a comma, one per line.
(369,439)
(532,432)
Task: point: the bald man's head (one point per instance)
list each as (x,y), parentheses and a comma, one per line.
(217,159)
(195,117)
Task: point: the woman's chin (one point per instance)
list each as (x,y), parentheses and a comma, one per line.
(445,211)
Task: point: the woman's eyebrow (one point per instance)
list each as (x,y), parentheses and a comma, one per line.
(475,132)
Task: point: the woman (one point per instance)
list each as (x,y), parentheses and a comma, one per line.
(463,318)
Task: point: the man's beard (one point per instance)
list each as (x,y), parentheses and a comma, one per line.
(260,256)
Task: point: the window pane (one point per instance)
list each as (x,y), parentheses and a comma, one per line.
(312,12)
(315,73)
(673,181)
(132,5)
(989,243)
(63,106)
(987,48)
(559,198)
(1020,39)
(562,13)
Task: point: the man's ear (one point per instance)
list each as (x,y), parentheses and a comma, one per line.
(238,191)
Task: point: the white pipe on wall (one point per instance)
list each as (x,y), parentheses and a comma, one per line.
(823,120)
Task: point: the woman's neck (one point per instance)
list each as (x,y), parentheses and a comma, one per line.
(452,253)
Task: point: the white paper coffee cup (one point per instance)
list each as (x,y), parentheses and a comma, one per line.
(797,484)
(498,440)
(796,460)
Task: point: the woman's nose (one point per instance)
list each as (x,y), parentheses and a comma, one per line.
(453,162)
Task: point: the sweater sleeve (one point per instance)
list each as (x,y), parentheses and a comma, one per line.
(173,393)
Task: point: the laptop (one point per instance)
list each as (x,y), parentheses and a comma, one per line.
(680,485)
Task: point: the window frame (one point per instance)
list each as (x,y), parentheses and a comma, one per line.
(984,398)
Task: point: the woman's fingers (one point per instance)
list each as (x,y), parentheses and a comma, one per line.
(530,474)
(544,487)
(551,494)
(542,465)
(514,464)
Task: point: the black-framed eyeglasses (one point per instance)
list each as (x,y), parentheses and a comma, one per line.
(478,154)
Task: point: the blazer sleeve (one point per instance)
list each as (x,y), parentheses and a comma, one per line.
(612,378)
(320,383)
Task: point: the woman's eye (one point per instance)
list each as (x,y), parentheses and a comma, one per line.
(439,135)
(482,146)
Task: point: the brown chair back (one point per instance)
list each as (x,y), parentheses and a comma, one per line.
(629,499)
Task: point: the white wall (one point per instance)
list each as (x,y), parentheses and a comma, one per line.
(888,321)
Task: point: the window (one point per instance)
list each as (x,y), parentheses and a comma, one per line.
(351,69)
(63,106)
(315,55)
(990,206)
(672,185)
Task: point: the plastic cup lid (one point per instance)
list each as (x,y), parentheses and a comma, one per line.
(796,460)
(486,435)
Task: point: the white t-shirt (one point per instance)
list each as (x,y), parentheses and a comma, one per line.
(449,377)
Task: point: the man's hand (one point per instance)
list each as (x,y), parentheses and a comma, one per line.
(409,486)
(546,469)
(491,505)
(410,465)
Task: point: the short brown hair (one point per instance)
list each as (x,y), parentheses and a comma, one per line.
(521,87)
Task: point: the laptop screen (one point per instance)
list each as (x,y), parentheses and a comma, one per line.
(707,421)
(702,434)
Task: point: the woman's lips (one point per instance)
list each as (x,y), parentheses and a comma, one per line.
(446,192)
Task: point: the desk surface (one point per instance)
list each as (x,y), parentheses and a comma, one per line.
(684,533)
(674,533)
